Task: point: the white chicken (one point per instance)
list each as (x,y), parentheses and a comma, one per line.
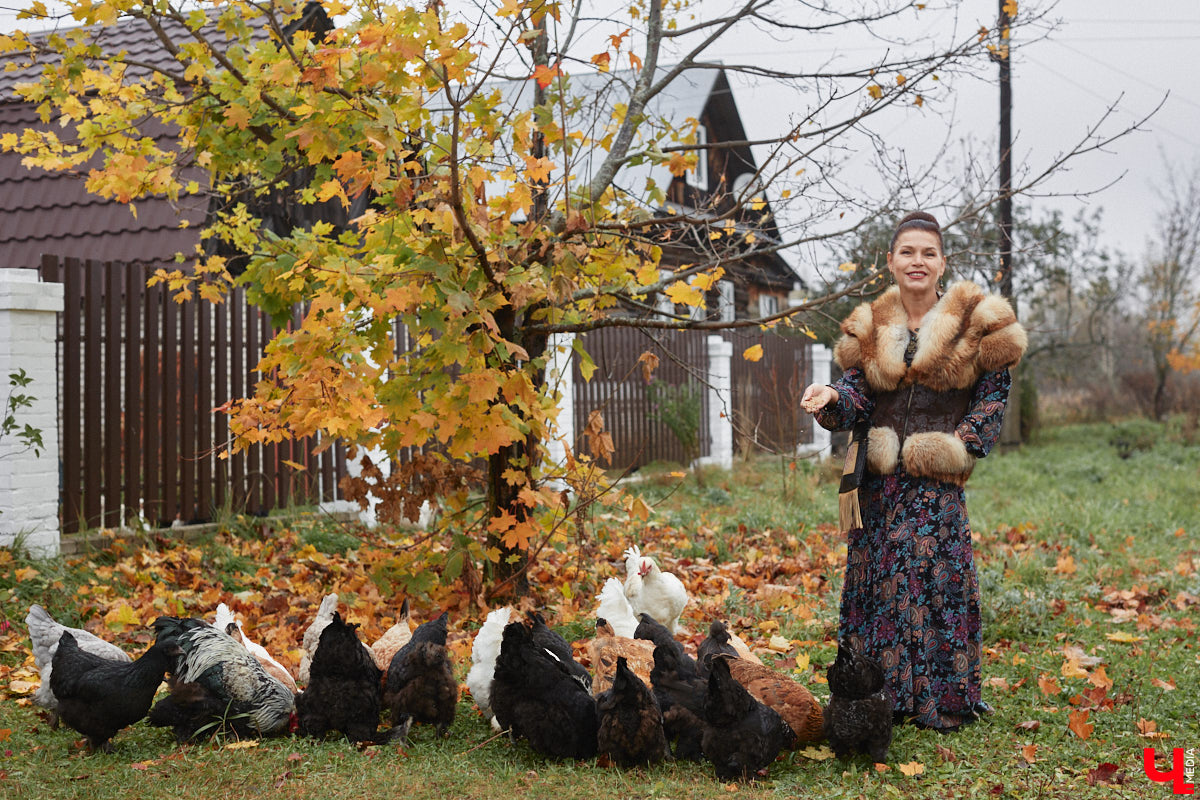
(44,633)
(484,651)
(224,618)
(652,591)
(615,608)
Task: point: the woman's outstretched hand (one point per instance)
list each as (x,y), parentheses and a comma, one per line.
(817,397)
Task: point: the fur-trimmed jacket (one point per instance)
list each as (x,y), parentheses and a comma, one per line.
(918,406)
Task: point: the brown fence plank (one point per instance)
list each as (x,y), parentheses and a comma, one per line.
(112,410)
(187,412)
(135,287)
(237,388)
(71,430)
(169,442)
(204,413)
(221,471)
(152,489)
(93,442)
(254,476)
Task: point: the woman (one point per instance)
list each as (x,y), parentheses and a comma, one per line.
(925,383)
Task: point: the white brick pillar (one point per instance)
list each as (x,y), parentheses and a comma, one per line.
(29,483)
(720,394)
(822,358)
(560,376)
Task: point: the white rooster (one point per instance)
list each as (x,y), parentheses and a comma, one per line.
(44,633)
(224,618)
(614,607)
(484,651)
(652,591)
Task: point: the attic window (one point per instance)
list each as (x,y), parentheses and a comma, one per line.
(698,177)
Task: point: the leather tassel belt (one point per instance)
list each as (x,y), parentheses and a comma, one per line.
(849,508)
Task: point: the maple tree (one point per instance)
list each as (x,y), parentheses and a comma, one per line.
(459,177)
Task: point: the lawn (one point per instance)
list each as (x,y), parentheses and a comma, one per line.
(1087,554)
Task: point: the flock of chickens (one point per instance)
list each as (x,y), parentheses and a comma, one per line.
(648,699)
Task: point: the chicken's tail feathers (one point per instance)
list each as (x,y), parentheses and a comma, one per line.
(39,618)
(397,734)
(224,618)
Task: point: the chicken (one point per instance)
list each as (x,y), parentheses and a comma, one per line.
(312,635)
(631,724)
(651,630)
(534,695)
(858,718)
(544,637)
(680,694)
(44,633)
(484,650)
(652,591)
(420,680)
(392,639)
(795,703)
(343,692)
(224,618)
(741,735)
(614,607)
(215,683)
(606,647)
(98,696)
(717,643)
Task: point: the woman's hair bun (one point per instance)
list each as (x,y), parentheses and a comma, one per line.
(921,221)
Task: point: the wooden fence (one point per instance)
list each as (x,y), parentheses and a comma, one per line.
(139,378)
(766,393)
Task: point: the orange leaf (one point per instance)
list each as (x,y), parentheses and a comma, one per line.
(1029,753)
(1079,724)
(545,75)
(5,733)
(1049,686)
(1100,679)
(912,768)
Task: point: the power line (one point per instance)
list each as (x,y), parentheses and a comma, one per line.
(1123,73)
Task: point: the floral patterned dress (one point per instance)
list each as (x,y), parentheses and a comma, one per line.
(911,596)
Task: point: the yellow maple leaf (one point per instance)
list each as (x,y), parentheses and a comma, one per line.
(683,294)
(901,80)
(847,266)
(242,745)
(1010,8)
(753,352)
(238,116)
(647,275)
(1124,636)
(706,281)
(802,661)
(821,753)
(911,768)
(639,509)
(875,90)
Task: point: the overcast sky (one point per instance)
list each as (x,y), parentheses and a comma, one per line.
(1101,52)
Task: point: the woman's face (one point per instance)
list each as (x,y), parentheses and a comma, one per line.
(916,262)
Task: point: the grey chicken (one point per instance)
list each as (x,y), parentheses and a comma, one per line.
(343,692)
(741,735)
(631,724)
(216,683)
(536,696)
(44,633)
(98,696)
(858,718)
(420,680)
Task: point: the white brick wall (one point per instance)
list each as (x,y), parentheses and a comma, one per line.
(29,483)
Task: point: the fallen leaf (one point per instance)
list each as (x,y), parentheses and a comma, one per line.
(5,733)
(242,745)
(1030,725)
(1029,753)
(881,767)
(1166,686)
(911,768)
(945,753)
(1049,686)
(1125,637)
(817,753)
(1079,724)
(1100,679)
(780,644)
(1105,773)
(802,661)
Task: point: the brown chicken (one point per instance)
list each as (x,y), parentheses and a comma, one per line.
(392,639)
(607,647)
(796,704)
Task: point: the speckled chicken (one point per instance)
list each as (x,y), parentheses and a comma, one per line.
(420,679)
(535,696)
(224,620)
(217,683)
(794,702)
(680,694)
(44,633)
(98,696)
(741,735)
(631,724)
(858,718)
(343,692)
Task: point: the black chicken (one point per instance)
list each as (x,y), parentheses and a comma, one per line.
(343,692)
(631,724)
(858,718)
(218,684)
(420,680)
(536,695)
(652,630)
(98,696)
(716,644)
(741,735)
(544,636)
(680,695)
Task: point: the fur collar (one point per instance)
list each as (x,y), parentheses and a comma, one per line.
(967,333)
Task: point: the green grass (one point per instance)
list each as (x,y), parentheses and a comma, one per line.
(1064,526)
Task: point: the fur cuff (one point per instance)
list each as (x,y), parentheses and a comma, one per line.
(941,456)
(883,450)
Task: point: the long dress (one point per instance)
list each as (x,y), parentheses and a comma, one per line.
(911,596)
